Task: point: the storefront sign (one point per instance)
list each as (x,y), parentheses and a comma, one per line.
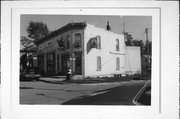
(41,47)
(49,44)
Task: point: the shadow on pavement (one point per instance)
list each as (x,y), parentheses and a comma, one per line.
(26,88)
(121,95)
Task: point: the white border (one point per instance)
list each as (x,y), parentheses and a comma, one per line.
(161,81)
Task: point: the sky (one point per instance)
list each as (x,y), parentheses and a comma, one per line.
(135,25)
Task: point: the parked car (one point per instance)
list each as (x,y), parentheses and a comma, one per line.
(32,75)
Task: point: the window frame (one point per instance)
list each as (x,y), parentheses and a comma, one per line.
(117,45)
(63,44)
(75,41)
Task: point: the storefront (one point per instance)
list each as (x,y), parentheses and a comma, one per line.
(89,51)
(50,63)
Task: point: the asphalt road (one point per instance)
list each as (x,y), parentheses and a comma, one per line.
(120,95)
(38,92)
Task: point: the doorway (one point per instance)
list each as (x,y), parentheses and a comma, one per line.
(64,63)
(78,63)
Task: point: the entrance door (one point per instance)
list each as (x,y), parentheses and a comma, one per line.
(78,63)
(64,63)
(51,63)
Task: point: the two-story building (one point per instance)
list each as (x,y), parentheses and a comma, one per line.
(90,51)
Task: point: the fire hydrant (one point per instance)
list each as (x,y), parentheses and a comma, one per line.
(69,74)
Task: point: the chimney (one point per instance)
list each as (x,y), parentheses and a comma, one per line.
(108,27)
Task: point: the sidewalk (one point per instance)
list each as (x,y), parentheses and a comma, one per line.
(54,79)
(62,80)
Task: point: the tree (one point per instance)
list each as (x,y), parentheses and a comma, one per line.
(148,47)
(27,43)
(140,44)
(37,30)
(128,39)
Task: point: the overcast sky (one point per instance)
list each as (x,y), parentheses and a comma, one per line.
(135,25)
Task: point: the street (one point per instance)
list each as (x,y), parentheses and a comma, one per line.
(38,92)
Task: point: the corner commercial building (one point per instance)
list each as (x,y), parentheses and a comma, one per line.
(88,50)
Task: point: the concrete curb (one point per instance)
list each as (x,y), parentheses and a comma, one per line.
(139,94)
(88,82)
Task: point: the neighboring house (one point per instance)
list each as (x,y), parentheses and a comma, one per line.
(133,60)
(88,50)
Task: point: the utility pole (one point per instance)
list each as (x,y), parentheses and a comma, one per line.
(124,27)
(147,46)
(147,41)
(124,32)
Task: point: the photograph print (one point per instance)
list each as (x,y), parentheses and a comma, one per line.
(85,60)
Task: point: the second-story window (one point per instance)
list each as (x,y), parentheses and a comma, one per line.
(117,44)
(68,42)
(61,43)
(96,42)
(77,42)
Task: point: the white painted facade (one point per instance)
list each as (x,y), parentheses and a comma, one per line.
(107,52)
(133,60)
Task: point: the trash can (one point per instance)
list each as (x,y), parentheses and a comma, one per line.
(69,74)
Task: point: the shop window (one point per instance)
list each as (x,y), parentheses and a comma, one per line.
(77,42)
(98,63)
(58,62)
(117,44)
(41,63)
(50,63)
(68,42)
(117,64)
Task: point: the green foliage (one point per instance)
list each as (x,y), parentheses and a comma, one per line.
(145,48)
(37,30)
(128,39)
(27,43)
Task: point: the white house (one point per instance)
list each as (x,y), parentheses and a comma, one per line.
(88,50)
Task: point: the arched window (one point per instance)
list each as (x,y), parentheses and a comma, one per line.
(98,63)
(98,42)
(117,63)
(77,42)
(117,44)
